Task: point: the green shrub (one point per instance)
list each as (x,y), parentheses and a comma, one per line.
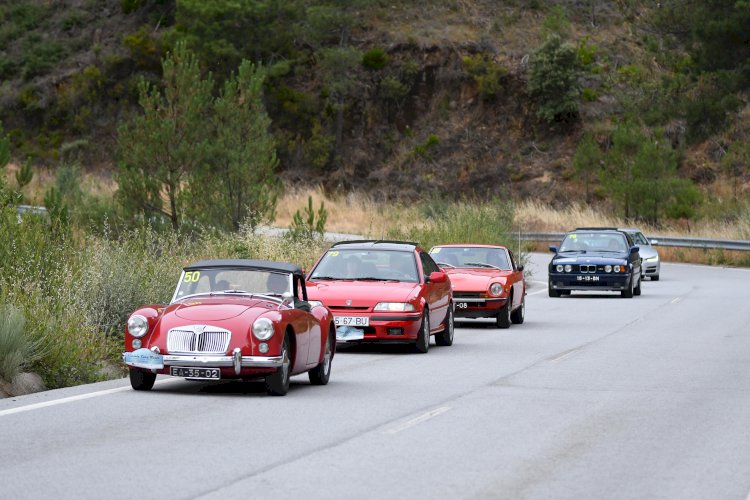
(17,348)
(41,58)
(488,74)
(392,88)
(553,80)
(375,59)
(310,226)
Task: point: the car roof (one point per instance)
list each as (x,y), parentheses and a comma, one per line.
(630,229)
(263,265)
(376,244)
(462,245)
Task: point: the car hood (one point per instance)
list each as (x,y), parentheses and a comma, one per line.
(360,293)
(216,308)
(465,280)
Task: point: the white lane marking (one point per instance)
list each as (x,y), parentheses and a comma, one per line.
(676,300)
(538,291)
(564,355)
(72,399)
(417,420)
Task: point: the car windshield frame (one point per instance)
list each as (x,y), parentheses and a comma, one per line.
(366,264)
(232,281)
(593,241)
(471,262)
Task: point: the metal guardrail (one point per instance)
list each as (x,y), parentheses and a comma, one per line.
(660,241)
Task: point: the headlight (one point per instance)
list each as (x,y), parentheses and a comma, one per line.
(608,268)
(263,329)
(314,303)
(568,268)
(496,289)
(394,306)
(652,259)
(559,268)
(137,325)
(619,269)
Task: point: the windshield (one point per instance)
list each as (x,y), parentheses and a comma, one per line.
(385,265)
(471,257)
(594,242)
(639,239)
(232,281)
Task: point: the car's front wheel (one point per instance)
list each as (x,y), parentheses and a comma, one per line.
(552,292)
(637,289)
(503,317)
(655,277)
(277,384)
(628,293)
(142,381)
(423,338)
(321,373)
(445,338)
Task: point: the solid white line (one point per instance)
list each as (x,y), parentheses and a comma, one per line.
(71,399)
(418,420)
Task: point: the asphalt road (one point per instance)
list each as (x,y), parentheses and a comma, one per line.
(593,397)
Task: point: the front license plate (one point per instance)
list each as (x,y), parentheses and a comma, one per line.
(201,373)
(352,320)
(462,305)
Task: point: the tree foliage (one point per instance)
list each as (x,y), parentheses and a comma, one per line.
(587,162)
(553,80)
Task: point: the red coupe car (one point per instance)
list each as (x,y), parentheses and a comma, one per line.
(233,319)
(487,281)
(384,291)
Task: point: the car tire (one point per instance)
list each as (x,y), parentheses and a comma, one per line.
(637,290)
(553,293)
(518,315)
(503,316)
(422,344)
(445,338)
(655,277)
(628,294)
(277,384)
(322,373)
(141,381)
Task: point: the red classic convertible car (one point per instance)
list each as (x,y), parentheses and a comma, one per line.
(233,319)
(487,281)
(384,291)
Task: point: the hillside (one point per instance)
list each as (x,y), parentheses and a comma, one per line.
(436,101)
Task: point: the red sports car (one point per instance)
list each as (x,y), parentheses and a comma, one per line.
(487,281)
(388,291)
(233,319)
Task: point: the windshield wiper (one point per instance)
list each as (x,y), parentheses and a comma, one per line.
(372,278)
(327,278)
(481,264)
(445,264)
(233,291)
(576,251)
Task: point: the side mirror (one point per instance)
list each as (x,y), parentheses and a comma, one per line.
(287,299)
(519,268)
(553,249)
(635,249)
(437,277)
(654,242)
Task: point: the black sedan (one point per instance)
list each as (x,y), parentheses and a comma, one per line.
(595,259)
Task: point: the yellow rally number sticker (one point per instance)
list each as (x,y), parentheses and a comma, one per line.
(192,277)
(333,254)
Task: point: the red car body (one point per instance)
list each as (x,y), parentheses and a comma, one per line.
(384,291)
(487,281)
(212,329)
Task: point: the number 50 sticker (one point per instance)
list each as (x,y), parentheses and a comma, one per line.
(192,277)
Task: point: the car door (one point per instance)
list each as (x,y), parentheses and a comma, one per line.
(437,295)
(313,331)
(516,277)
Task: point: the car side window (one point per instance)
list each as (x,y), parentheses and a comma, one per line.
(428,265)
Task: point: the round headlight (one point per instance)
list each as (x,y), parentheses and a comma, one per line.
(568,268)
(559,268)
(496,289)
(617,269)
(608,268)
(263,329)
(137,325)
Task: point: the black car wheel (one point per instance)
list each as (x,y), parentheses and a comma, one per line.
(553,292)
(503,317)
(277,384)
(518,315)
(142,381)
(445,338)
(655,277)
(637,289)
(321,373)
(628,293)
(423,338)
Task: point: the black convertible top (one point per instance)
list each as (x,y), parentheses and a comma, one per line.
(265,265)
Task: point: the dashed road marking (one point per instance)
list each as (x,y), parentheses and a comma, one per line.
(417,420)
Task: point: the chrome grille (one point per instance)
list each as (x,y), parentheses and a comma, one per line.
(198,339)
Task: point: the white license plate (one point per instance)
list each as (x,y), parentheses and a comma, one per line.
(352,320)
(199,373)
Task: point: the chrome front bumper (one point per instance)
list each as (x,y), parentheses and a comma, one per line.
(236,361)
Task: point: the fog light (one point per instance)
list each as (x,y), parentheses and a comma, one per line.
(395,331)
(263,347)
(137,343)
